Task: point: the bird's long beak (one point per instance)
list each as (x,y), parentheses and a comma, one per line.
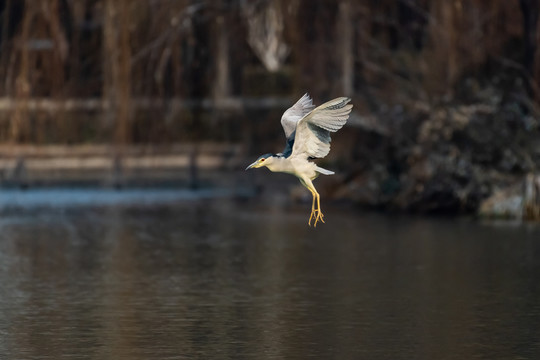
(252,165)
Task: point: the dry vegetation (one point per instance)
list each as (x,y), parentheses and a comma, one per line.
(446,93)
(383,53)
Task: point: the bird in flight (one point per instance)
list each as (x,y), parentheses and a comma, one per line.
(307,129)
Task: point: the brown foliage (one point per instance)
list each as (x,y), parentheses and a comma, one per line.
(382,52)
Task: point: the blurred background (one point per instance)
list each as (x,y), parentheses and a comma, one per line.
(153,92)
(130,230)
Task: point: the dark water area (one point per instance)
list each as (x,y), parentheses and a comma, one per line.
(215,278)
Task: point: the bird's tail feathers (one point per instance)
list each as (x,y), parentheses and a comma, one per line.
(324,171)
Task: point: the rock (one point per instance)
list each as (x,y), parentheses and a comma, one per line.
(505,203)
(448,159)
(531,198)
(519,201)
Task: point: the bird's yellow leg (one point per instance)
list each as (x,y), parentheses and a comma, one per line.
(319,215)
(313,211)
(315,205)
(309,185)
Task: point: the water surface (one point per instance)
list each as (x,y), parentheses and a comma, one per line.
(220,279)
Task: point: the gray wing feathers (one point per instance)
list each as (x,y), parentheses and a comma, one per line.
(331,115)
(313,130)
(296,112)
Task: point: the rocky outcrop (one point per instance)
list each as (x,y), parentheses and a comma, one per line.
(453,159)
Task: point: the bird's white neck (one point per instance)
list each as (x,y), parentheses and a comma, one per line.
(278,164)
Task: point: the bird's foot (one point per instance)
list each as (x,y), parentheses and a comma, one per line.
(313,215)
(317,215)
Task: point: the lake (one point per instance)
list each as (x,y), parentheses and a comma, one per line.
(214,277)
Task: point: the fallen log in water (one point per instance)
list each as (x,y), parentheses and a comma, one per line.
(109,165)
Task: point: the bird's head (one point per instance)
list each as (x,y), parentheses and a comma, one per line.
(263,160)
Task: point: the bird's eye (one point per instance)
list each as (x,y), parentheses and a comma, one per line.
(261,160)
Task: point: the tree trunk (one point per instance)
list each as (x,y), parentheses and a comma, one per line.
(222,83)
(19,121)
(444,56)
(345,38)
(531,35)
(117,66)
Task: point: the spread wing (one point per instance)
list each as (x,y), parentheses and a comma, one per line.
(296,112)
(313,130)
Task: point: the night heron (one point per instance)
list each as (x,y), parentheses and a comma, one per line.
(307,129)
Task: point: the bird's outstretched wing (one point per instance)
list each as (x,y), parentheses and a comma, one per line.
(313,130)
(296,112)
